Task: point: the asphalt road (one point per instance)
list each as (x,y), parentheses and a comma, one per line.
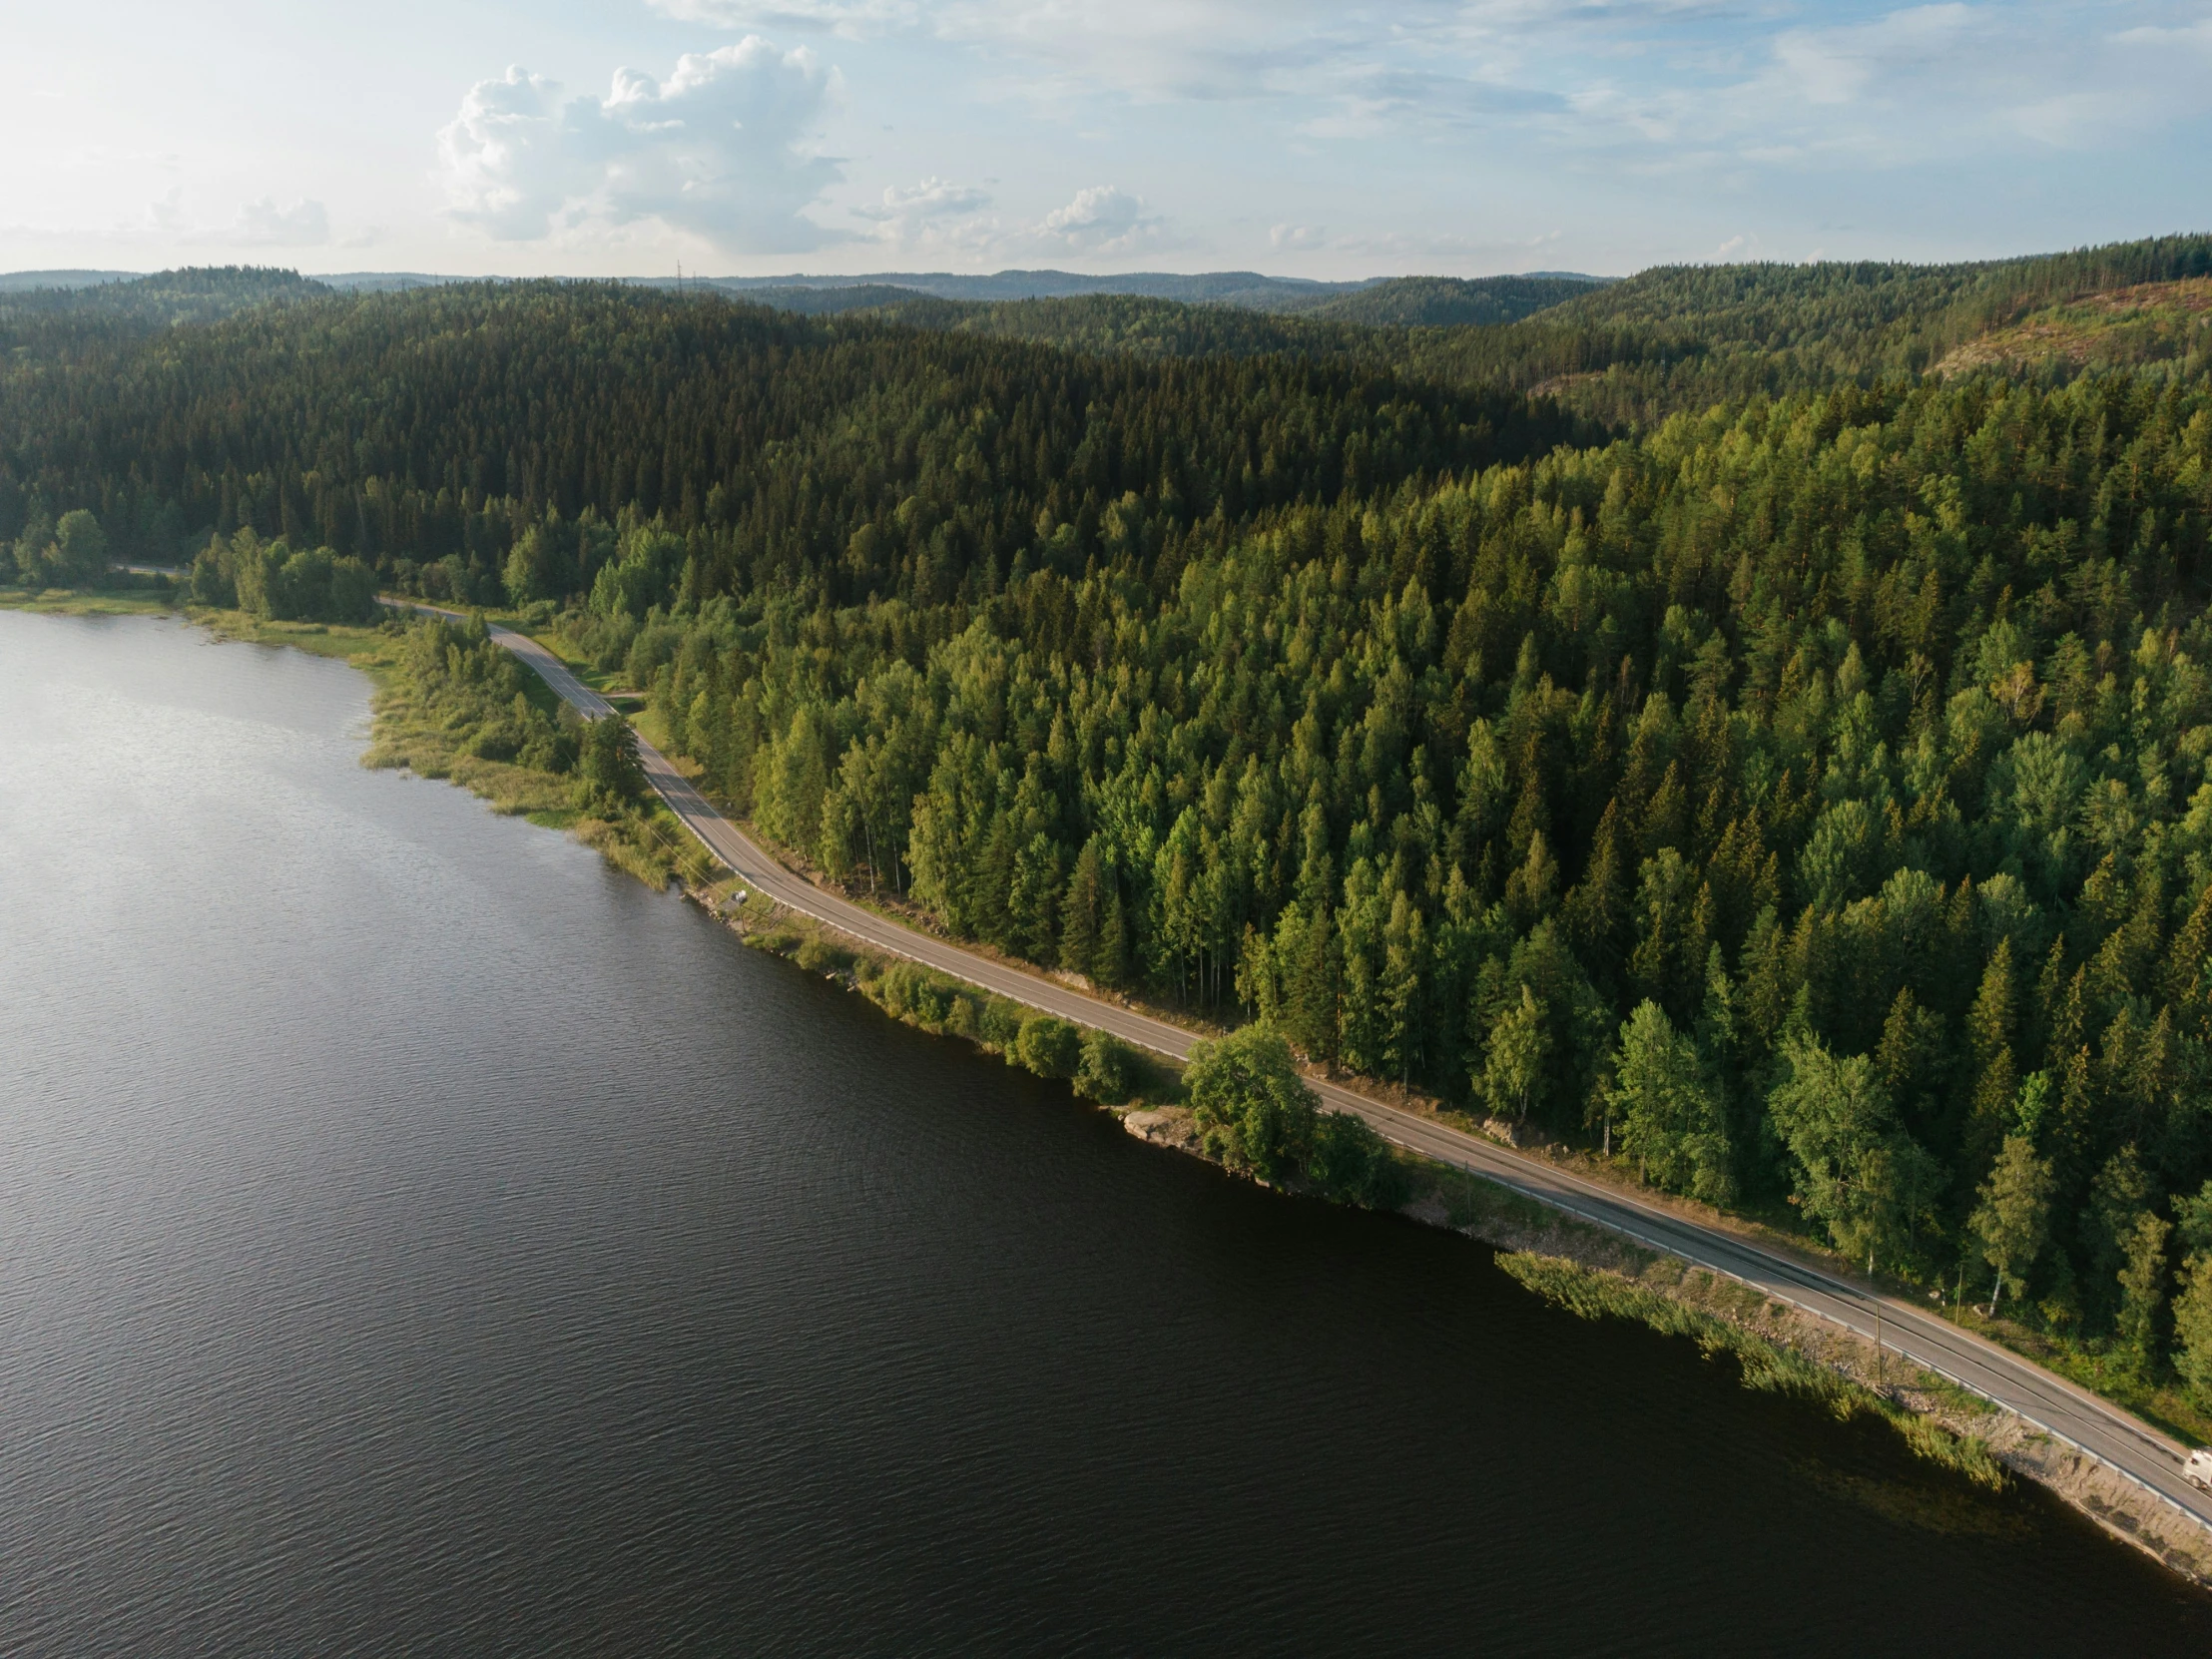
(2044,1400)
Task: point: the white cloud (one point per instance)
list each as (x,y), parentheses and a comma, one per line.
(2071,120)
(1102,220)
(1297,235)
(934,219)
(264,223)
(933,197)
(1677,84)
(721,150)
(2195,36)
(1779,85)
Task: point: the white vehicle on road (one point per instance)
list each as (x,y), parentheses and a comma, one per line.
(2197,1467)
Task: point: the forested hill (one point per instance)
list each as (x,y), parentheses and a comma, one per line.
(1449,302)
(850,456)
(165,299)
(1804,792)
(1667,339)
(1365,325)
(1687,336)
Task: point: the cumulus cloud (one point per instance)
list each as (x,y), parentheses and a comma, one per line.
(933,197)
(262,224)
(1102,220)
(933,219)
(720,149)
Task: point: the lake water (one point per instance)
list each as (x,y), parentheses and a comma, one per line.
(417,1237)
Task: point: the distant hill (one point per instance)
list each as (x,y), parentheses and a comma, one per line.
(1386,301)
(193,294)
(390,282)
(831,302)
(1374,301)
(1688,337)
(1626,351)
(1450,301)
(15,282)
(1221,288)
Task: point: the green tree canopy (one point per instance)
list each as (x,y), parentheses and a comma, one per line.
(1671,1115)
(2012,1218)
(1249,1104)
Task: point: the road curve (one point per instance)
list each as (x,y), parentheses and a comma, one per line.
(2048,1402)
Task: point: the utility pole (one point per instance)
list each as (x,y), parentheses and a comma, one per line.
(1878,1341)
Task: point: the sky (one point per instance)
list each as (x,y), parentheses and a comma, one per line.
(1296,137)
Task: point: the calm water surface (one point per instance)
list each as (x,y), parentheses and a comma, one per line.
(415,1236)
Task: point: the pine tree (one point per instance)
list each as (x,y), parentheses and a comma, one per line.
(1990,1030)
(2183,980)
(1110,955)
(1082,912)
(1594,909)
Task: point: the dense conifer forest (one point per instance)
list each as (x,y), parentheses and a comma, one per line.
(1776,754)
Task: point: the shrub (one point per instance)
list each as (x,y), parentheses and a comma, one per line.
(965,1016)
(930,999)
(1049,1047)
(1110,1071)
(819,955)
(551,750)
(1000,1025)
(1351,1162)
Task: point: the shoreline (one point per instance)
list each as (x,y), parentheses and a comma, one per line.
(1581,1266)
(1592,1272)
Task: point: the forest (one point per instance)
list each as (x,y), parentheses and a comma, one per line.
(1782,768)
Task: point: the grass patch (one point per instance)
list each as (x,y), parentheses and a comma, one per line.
(373,648)
(473,728)
(72,602)
(1763,1363)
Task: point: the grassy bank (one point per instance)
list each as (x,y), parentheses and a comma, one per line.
(372,650)
(73,602)
(1725,1317)
(451,704)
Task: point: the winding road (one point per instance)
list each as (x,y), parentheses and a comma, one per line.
(2047,1400)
